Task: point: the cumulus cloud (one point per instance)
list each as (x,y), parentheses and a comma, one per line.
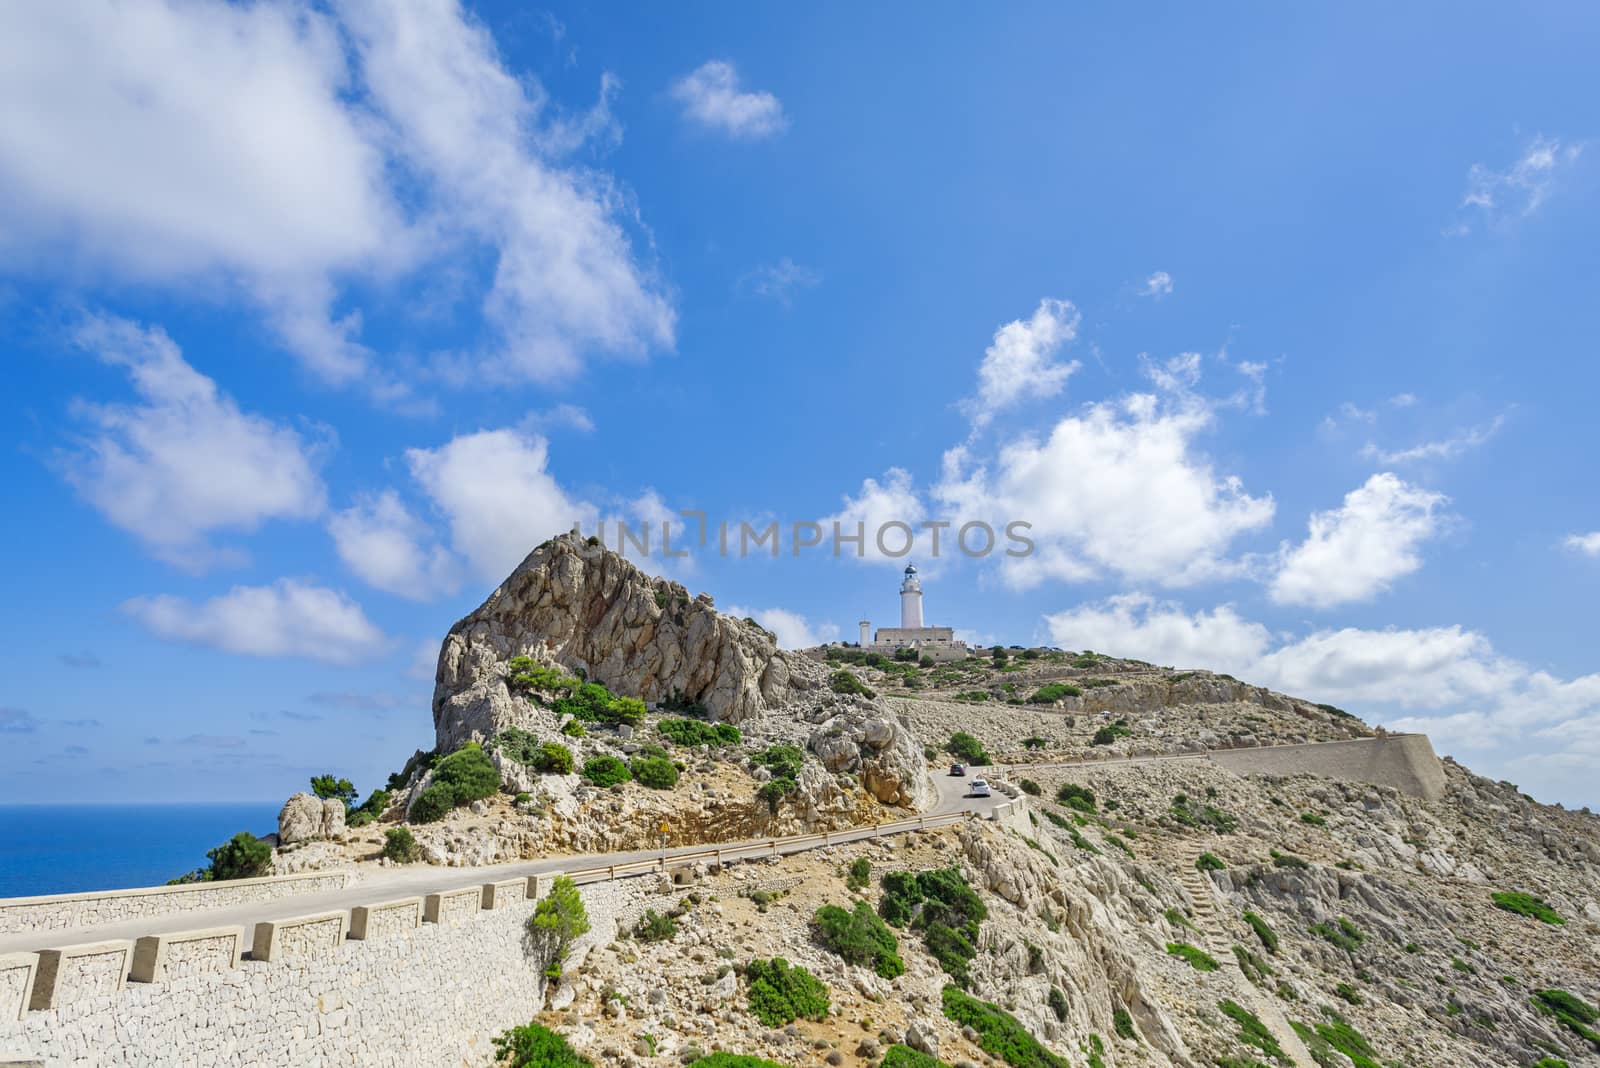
(711,97)
(794,630)
(1356,551)
(1139,626)
(1519,190)
(1447,449)
(202,144)
(287,619)
(386,546)
(871,510)
(1120,486)
(1587,544)
(498,497)
(1157,285)
(1019,363)
(185,461)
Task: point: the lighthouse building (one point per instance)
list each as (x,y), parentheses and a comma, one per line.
(937,642)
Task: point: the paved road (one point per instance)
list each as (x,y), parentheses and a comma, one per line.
(384,884)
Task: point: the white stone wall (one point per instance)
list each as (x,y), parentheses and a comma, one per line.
(419,997)
(60,911)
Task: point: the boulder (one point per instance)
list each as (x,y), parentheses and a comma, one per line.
(307,818)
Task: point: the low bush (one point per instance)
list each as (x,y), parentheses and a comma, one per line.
(1528,905)
(1312,819)
(1570,1011)
(783,763)
(845,682)
(1254,968)
(695,732)
(656,772)
(1337,1034)
(606,771)
(376,804)
(1346,992)
(1033,741)
(469,773)
(860,937)
(554,759)
(1109,734)
(654,927)
(1029,787)
(1058,1004)
(244,856)
(1077,797)
(859,874)
(1288,860)
(964,746)
(1263,930)
(527,677)
(330,788)
(781,993)
(1122,1023)
(573,728)
(1050,694)
(1254,1033)
(433,804)
(999,1033)
(1342,933)
(400,846)
(1190,814)
(732,1060)
(902,1056)
(1210,862)
(943,907)
(1196,958)
(536,1046)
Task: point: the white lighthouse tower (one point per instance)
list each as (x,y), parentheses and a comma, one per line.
(911,600)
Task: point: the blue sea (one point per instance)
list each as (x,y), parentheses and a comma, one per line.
(58,849)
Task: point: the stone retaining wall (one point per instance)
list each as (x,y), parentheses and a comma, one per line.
(60,911)
(1404,761)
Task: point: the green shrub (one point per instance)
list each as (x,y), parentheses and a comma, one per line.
(1122,1023)
(943,907)
(781,993)
(845,682)
(605,771)
(1342,933)
(1196,958)
(244,856)
(1033,741)
(1029,787)
(1254,968)
(1077,797)
(694,732)
(432,804)
(558,920)
(1050,694)
(1190,814)
(330,788)
(654,927)
(1210,862)
(732,1060)
(1346,992)
(656,772)
(1528,905)
(516,744)
(999,1033)
(1570,1011)
(952,949)
(901,1056)
(469,773)
(554,759)
(783,762)
(525,676)
(859,875)
(964,746)
(1313,820)
(860,937)
(573,729)
(1338,1034)
(1263,930)
(376,804)
(1104,736)
(1254,1033)
(1288,860)
(536,1046)
(400,845)
(1058,1004)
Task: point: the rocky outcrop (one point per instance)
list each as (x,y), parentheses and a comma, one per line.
(587,609)
(307,818)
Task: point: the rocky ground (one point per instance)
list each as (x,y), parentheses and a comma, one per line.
(1375,937)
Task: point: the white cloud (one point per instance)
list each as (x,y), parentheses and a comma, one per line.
(288,618)
(1119,486)
(1447,449)
(1157,285)
(878,504)
(1357,551)
(794,631)
(711,97)
(560,417)
(781,280)
(207,145)
(386,546)
(1588,544)
(500,501)
(1521,189)
(1136,625)
(1403,400)
(185,461)
(1019,363)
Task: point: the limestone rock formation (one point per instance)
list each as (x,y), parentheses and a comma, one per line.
(307,818)
(587,609)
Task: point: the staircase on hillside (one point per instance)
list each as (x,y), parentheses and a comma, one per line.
(1213,937)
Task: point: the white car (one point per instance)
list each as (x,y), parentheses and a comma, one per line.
(980,788)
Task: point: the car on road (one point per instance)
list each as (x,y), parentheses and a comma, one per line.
(958,769)
(980,788)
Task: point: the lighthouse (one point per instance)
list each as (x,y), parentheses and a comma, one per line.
(911,600)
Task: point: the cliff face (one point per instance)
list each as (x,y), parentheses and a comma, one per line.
(587,609)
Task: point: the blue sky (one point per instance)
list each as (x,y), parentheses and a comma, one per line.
(1276,325)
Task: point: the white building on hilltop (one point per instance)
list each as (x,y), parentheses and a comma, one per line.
(936,642)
